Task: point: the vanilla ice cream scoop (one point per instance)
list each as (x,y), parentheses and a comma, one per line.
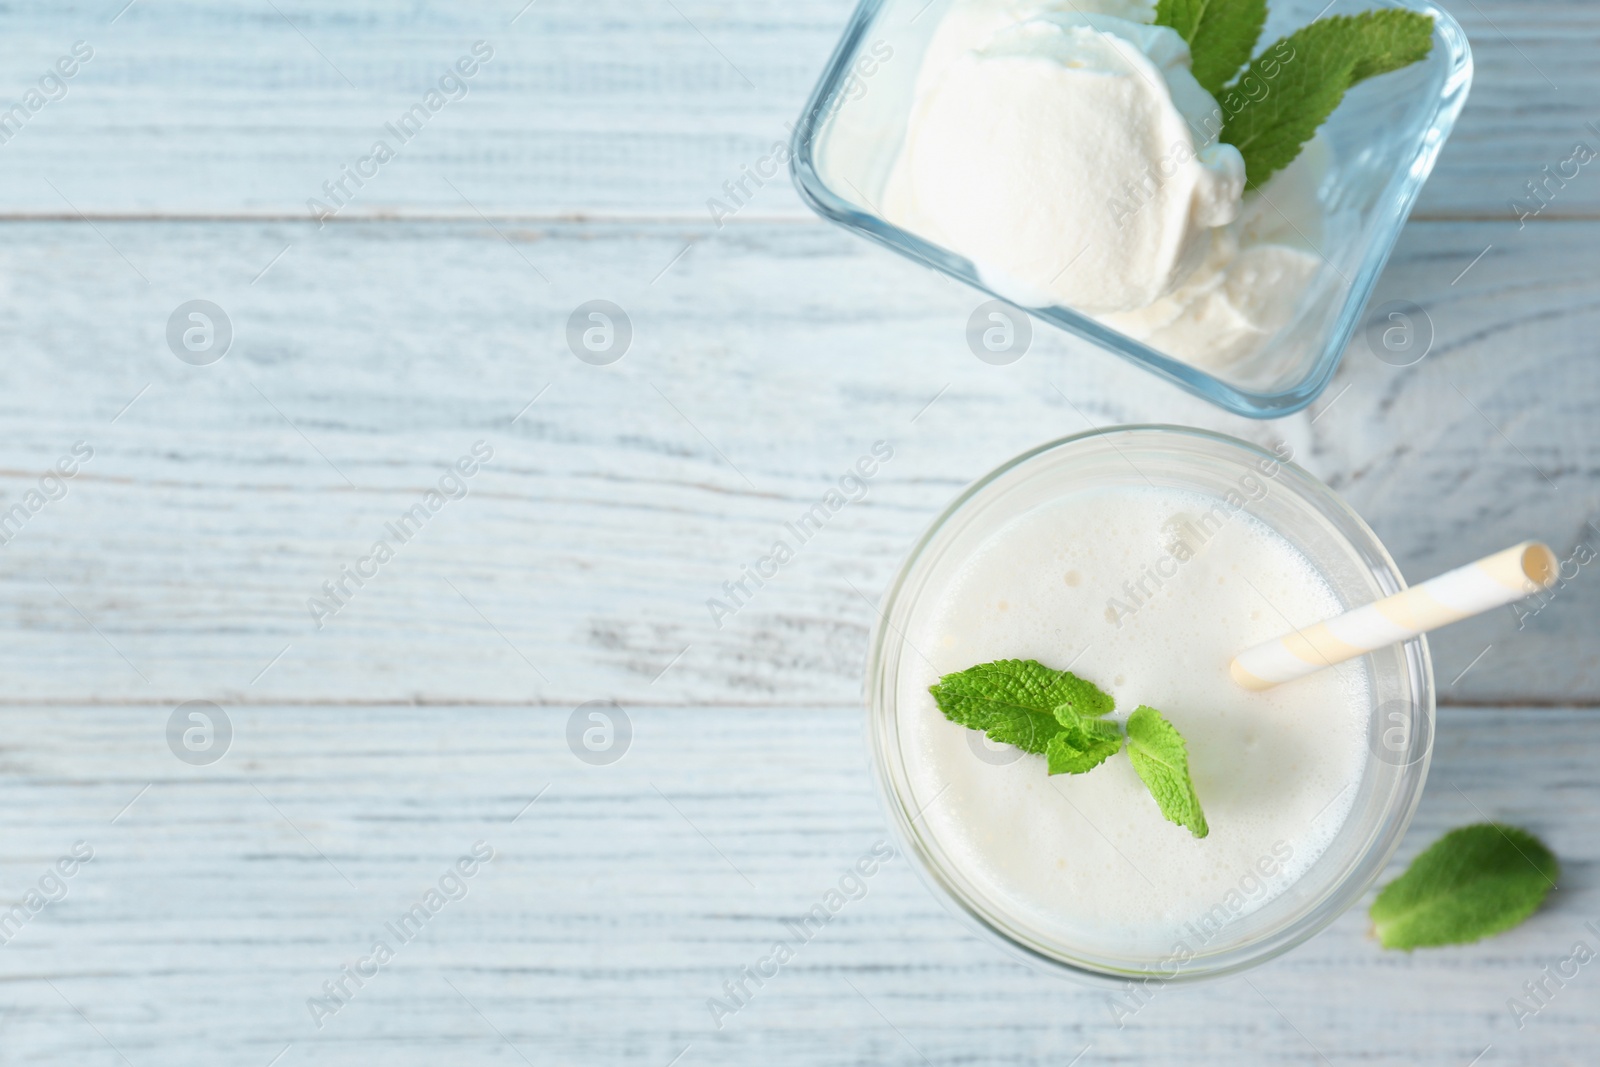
(1073,158)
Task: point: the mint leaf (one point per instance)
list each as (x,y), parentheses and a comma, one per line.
(1077,698)
(1162,761)
(1288,91)
(1472,882)
(1221,35)
(1019,701)
(1183,16)
(1083,746)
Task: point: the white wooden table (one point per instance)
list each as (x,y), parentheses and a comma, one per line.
(431,711)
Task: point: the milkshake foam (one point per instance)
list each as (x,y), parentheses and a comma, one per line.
(1148,593)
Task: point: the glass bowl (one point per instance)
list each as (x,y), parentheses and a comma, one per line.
(1383,140)
(1314,520)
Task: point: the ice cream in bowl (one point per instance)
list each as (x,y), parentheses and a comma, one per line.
(1208,189)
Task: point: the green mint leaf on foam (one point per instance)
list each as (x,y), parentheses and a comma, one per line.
(1221,35)
(1058,715)
(1019,702)
(1275,106)
(1472,882)
(1082,746)
(1162,761)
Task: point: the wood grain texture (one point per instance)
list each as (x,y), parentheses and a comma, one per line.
(610,107)
(626,895)
(766,357)
(763,364)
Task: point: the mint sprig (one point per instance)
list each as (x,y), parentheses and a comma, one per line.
(1328,57)
(1021,702)
(1288,91)
(1221,35)
(1161,760)
(1057,714)
(1471,883)
(1082,746)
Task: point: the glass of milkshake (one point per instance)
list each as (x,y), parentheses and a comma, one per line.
(1143,559)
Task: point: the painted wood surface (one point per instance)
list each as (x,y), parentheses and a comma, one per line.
(619,902)
(432,707)
(620,499)
(615,107)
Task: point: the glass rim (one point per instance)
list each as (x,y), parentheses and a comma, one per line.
(881,725)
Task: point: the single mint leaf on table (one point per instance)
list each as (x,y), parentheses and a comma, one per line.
(1305,76)
(1221,35)
(1020,702)
(1161,759)
(1472,882)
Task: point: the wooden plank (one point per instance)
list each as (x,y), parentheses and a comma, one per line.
(618,904)
(611,107)
(763,364)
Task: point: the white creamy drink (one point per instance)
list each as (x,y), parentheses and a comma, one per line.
(1066,149)
(1148,593)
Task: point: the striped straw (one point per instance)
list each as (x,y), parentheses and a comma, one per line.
(1492,582)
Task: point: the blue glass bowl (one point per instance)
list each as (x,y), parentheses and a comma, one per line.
(1383,139)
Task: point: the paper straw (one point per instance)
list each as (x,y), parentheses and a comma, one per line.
(1492,582)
